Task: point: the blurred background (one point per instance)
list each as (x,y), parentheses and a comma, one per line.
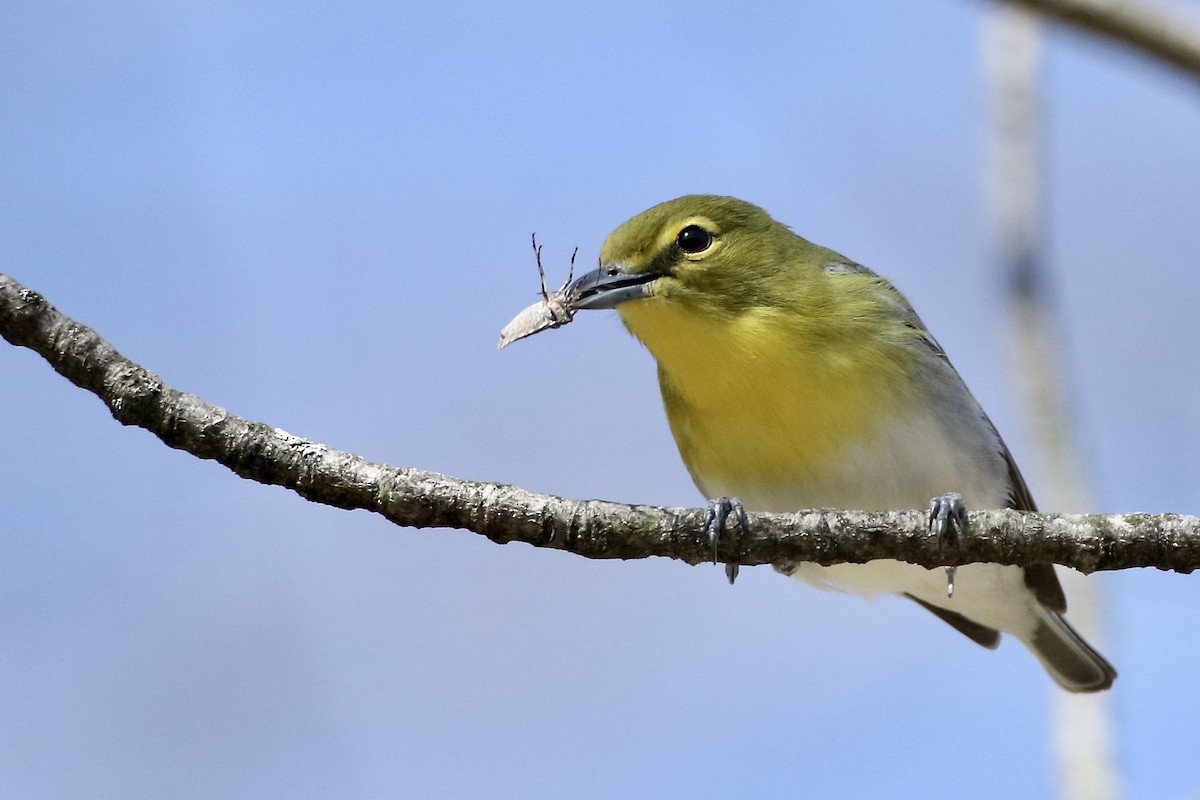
(318,216)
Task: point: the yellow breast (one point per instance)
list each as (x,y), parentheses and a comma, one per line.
(766,399)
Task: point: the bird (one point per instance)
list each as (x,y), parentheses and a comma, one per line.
(794,378)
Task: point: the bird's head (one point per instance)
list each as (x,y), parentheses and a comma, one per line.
(705,252)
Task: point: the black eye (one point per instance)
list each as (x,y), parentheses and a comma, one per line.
(694,239)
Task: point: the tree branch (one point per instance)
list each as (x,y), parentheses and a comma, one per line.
(1165,33)
(590,528)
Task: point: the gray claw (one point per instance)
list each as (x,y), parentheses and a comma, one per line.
(714,526)
(947,518)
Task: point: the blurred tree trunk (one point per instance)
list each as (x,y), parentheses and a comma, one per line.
(1082,725)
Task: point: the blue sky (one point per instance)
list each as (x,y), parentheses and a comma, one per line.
(318,216)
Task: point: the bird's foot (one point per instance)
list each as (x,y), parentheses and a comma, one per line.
(948,518)
(714,526)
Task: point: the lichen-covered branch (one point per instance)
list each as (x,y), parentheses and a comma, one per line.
(1167,33)
(591,528)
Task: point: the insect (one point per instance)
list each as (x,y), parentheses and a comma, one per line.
(552,311)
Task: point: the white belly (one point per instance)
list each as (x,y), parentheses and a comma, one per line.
(989,594)
(903,465)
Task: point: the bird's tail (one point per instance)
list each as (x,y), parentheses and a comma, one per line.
(1067,657)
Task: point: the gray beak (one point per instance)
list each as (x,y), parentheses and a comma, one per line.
(608,286)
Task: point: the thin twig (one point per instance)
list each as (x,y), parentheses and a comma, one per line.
(1167,33)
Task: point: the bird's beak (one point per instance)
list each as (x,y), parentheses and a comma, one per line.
(608,286)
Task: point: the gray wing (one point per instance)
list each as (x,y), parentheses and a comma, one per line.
(1040,578)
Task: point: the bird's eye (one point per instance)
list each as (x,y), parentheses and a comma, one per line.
(694,239)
